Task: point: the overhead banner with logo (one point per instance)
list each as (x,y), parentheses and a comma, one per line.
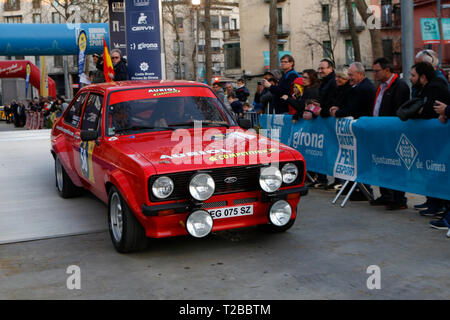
(117,38)
(143,35)
(411,156)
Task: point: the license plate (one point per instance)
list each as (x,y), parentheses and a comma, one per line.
(231,212)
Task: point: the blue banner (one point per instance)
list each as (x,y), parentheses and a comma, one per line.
(82,44)
(143,35)
(411,156)
(21,39)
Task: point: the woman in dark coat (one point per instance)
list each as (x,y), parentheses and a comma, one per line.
(310,85)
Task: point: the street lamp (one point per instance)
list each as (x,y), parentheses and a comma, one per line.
(196,4)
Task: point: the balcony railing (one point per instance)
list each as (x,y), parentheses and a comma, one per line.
(231,35)
(12,6)
(283,30)
(267,1)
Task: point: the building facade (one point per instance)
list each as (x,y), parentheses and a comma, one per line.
(181,22)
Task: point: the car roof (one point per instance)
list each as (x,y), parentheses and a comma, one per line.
(137,84)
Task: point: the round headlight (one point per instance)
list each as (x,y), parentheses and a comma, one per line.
(162,187)
(199,223)
(289,172)
(270,179)
(280,213)
(202,186)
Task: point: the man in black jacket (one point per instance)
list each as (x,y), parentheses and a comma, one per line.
(328,86)
(391,94)
(284,86)
(363,95)
(431,89)
(120,66)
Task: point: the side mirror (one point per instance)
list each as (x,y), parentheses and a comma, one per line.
(87,135)
(245,123)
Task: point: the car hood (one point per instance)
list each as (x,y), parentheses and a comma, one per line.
(203,149)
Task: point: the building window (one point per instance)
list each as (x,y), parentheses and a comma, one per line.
(19,58)
(232,56)
(56,17)
(354,15)
(58,61)
(36,4)
(183,70)
(280,16)
(12,5)
(216,68)
(386,13)
(326,49)
(234,24)
(281,47)
(201,45)
(14,19)
(36,18)
(175,47)
(388,49)
(325,13)
(96,15)
(180,25)
(215,45)
(349,53)
(225,23)
(215,24)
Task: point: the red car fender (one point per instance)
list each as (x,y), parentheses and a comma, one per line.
(60,149)
(119,179)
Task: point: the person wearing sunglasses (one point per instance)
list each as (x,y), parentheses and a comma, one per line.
(120,66)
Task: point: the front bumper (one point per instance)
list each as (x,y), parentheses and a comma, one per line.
(188,206)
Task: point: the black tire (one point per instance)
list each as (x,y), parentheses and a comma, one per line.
(130,236)
(270,228)
(66,188)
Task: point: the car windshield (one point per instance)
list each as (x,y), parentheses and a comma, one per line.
(156,109)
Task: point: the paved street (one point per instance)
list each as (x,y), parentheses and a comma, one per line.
(324,256)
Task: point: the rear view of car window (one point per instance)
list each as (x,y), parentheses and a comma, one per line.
(92,112)
(73,116)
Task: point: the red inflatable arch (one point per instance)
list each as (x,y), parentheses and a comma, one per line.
(18,69)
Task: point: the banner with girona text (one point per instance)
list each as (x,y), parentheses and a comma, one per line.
(411,156)
(143,39)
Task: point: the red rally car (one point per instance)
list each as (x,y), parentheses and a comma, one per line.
(169,159)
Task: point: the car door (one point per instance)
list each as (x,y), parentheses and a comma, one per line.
(71,131)
(84,151)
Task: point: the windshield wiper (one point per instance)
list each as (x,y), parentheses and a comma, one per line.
(206,122)
(138,128)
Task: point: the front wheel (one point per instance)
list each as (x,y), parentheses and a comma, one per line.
(127,234)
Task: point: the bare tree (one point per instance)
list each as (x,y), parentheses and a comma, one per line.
(320,33)
(375,32)
(171,12)
(273,35)
(208,57)
(352,27)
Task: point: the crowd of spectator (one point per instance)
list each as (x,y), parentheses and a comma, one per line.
(18,112)
(350,93)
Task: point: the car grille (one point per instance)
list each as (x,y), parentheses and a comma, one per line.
(247,180)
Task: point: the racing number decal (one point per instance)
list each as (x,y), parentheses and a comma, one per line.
(86,149)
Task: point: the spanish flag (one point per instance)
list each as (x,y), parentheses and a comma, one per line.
(107,63)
